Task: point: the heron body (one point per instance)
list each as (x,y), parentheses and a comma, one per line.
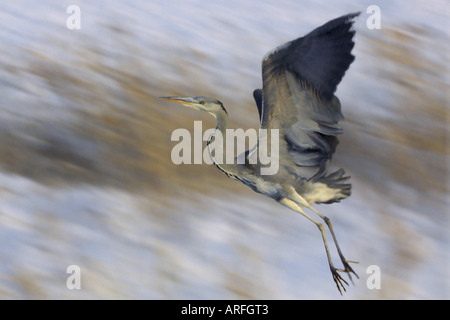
(297,98)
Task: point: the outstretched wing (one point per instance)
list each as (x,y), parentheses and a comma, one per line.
(299,81)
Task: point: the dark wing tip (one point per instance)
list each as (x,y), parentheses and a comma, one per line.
(257,95)
(332,24)
(322,56)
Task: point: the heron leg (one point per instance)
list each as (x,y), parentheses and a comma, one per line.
(347,268)
(336,276)
(302,201)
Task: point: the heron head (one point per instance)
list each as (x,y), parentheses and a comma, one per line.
(207,104)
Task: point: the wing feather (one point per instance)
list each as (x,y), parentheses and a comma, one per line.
(299,81)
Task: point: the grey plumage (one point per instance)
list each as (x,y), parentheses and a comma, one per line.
(297,99)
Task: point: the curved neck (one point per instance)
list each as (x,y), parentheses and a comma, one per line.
(218,144)
(224,159)
(222,122)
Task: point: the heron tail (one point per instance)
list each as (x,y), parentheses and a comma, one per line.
(336,187)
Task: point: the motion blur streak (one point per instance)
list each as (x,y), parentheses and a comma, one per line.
(86,177)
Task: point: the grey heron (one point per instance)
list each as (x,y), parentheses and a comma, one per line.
(297,98)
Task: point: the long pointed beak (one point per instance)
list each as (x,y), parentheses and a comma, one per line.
(189,102)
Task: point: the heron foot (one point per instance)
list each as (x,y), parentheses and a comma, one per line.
(348,269)
(338,279)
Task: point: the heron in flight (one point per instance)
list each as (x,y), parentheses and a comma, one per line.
(297,98)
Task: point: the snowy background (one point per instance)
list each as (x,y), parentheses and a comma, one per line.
(86,176)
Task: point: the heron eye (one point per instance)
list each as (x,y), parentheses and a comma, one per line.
(202,101)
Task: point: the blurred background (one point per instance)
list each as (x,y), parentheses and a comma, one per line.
(86,176)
